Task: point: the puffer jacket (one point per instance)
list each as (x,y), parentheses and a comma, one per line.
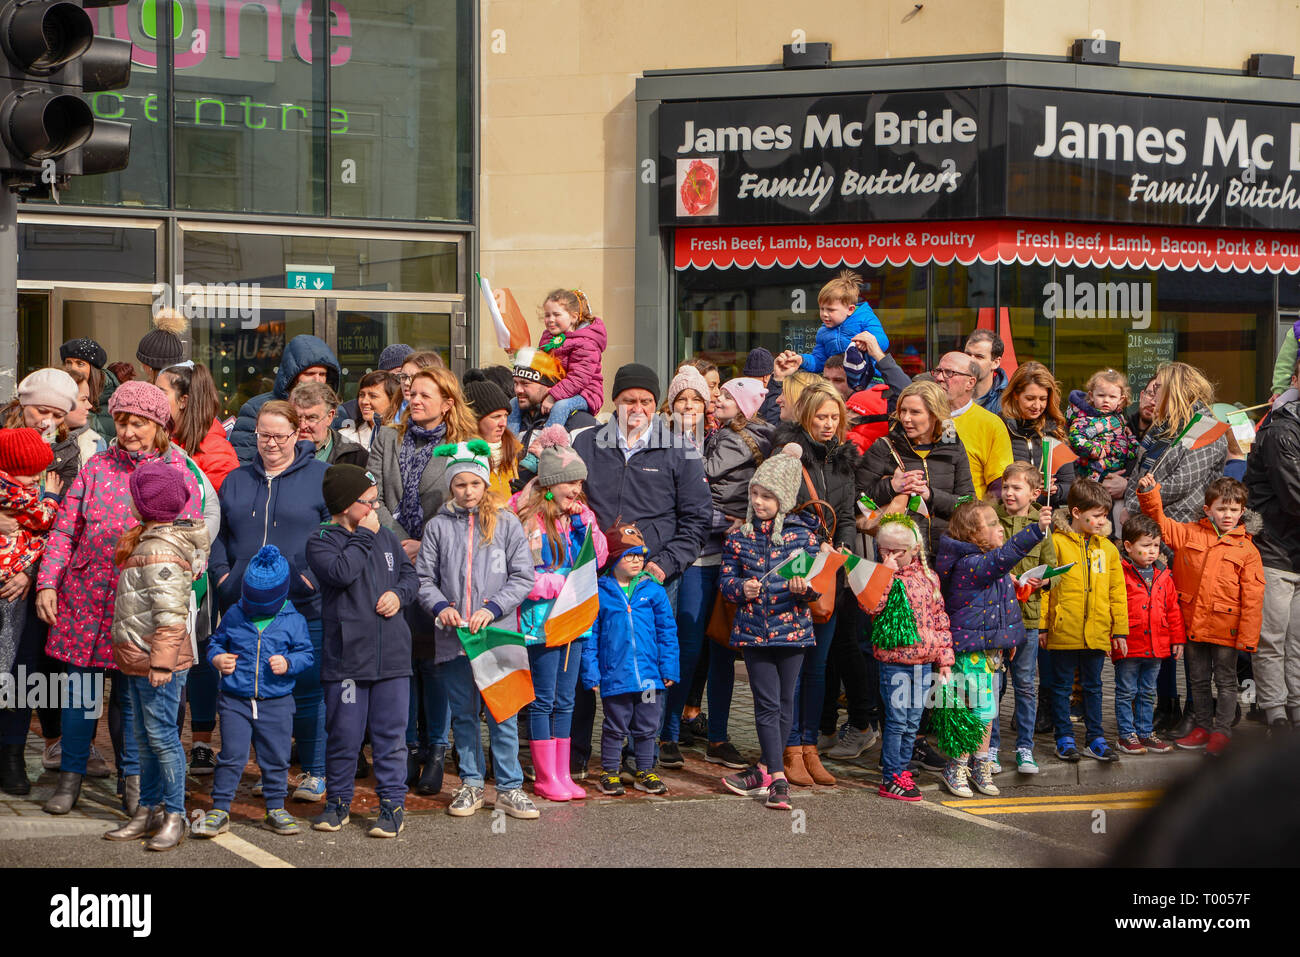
(979,593)
(458,570)
(1155,622)
(34,511)
(633,646)
(301,353)
(992,399)
(777,617)
(729,464)
(1273,478)
(216,456)
(284,511)
(833,341)
(1220,578)
(1027,446)
(1031,609)
(1102,440)
(253,678)
(933,628)
(78,560)
(947,472)
(1183,474)
(551,570)
(833,469)
(1088,605)
(580,355)
(150,615)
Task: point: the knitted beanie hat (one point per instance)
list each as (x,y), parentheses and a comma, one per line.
(266,583)
(557,461)
(52,387)
(688,377)
(24,452)
(471,456)
(636,376)
(142,399)
(622,538)
(158,491)
(780,474)
(758,362)
(484,397)
(748,393)
(537,366)
(162,346)
(393,356)
(87,350)
(343,485)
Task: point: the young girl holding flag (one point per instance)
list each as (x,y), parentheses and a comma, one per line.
(557,522)
(475,569)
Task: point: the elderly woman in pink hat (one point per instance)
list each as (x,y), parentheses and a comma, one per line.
(77,582)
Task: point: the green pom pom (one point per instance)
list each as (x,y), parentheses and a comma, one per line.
(957,729)
(446,451)
(478,447)
(895,626)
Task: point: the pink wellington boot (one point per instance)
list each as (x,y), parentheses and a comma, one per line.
(546,786)
(562,770)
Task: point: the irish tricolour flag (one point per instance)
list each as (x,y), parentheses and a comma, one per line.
(499,661)
(1055,454)
(869,580)
(818,567)
(574,611)
(1201,431)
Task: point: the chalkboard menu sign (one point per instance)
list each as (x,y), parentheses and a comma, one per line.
(800,335)
(1146,350)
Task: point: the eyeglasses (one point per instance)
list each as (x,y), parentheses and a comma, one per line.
(314,419)
(403,378)
(941,374)
(1152,390)
(273,439)
(369,502)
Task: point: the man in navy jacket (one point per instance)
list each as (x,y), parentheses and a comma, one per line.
(365,580)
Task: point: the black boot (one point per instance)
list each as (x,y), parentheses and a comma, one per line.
(412,765)
(65,794)
(1168,718)
(1184,726)
(431,780)
(13,770)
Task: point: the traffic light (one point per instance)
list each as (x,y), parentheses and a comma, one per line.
(47,131)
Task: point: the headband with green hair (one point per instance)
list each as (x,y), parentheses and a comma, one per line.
(900,518)
(472,456)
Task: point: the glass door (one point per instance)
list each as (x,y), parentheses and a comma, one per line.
(33,332)
(115,318)
(361,329)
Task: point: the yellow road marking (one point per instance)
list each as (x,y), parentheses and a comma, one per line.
(1048,799)
(248,851)
(1044,808)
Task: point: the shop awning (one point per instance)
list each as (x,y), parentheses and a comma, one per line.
(987,241)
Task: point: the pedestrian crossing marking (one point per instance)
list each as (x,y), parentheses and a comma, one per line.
(1049,799)
(249,852)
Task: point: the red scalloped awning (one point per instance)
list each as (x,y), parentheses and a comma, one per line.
(987,241)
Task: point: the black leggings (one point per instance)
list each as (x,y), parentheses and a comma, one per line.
(848,664)
(773,675)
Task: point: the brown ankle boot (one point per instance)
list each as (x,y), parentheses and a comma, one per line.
(795,772)
(814,765)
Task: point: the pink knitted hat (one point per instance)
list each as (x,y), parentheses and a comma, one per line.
(142,399)
(748,393)
(688,377)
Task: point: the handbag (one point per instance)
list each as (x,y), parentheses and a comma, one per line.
(721,620)
(823,606)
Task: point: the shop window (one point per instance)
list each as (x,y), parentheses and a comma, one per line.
(86,253)
(244,361)
(363,334)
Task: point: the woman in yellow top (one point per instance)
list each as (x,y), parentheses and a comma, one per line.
(490,407)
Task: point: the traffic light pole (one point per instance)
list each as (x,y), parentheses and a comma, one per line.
(8,294)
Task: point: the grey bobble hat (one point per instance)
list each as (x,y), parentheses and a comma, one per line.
(557,461)
(780,474)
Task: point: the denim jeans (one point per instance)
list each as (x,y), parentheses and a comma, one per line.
(698,592)
(458,680)
(550,715)
(309,700)
(902,699)
(79,724)
(1022,668)
(810,694)
(722,685)
(201,690)
(151,715)
(1089,663)
(428,700)
(1135,695)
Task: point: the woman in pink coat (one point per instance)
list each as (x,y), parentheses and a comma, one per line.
(77,582)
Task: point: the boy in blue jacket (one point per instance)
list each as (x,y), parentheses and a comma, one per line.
(630,658)
(843,317)
(261,644)
(366,580)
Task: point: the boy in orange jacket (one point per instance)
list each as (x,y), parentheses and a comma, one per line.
(1220,581)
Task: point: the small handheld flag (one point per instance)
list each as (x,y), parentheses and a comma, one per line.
(868,508)
(818,567)
(1055,455)
(575,609)
(507,318)
(1201,431)
(868,580)
(498,660)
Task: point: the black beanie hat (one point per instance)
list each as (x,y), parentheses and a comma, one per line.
(87,350)
(162,346)
(343,485)
(636,376)
(484,397)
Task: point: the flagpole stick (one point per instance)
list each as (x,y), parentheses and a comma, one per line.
(566,655)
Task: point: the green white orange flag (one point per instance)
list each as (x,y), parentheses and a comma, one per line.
(507,318)
(1201,431)
(868,508)
(818,567)
(917,504)
(868,580)
(574,611)
(499,662)
(1055,454)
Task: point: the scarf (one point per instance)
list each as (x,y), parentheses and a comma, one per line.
(413,457)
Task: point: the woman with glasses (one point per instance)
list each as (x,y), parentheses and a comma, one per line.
(276,500)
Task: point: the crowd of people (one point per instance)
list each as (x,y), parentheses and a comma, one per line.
(317,576)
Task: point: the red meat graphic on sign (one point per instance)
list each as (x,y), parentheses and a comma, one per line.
(698,193)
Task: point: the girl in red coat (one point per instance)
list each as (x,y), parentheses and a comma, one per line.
(1155,632)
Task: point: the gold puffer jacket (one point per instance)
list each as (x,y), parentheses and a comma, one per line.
(150,615)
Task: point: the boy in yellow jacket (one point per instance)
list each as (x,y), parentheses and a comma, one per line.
(1087,609)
